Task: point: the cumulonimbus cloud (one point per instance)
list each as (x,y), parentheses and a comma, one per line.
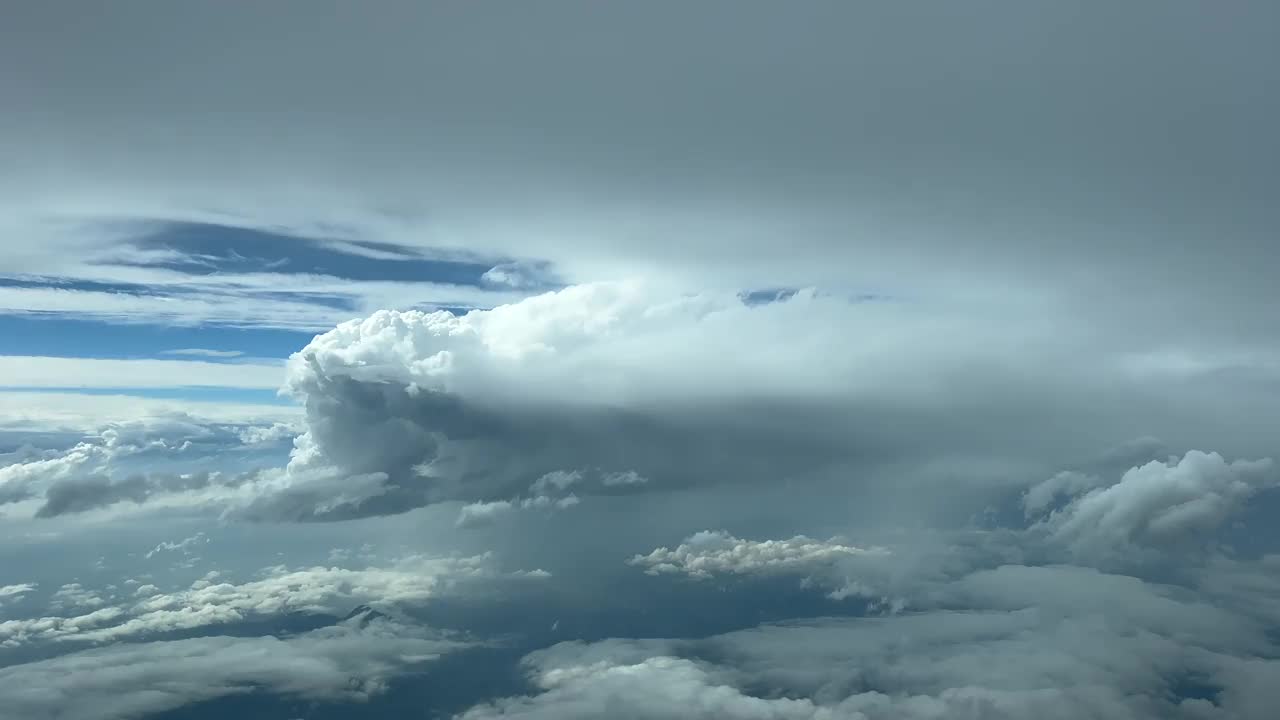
(632,379)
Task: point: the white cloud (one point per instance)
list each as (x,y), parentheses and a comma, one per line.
(655,687)
(205,352)
(555,482)
(75,595)
(275,433)
(183,545)
(482,513)
(141,459)
(710,553)
(630,343)
(479,514)
(15,591)
(1154,504)
(21,480)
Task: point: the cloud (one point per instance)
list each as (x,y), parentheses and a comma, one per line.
(10,592)
(1246,586)
(658,687)
(68,411)
(205,352)
(1152,504)
(630,378)
(183,545)
(710,553)
(75,595)
(338,664)
(873,574)
(73,495)
(520,276)
(480,514)
(975,635)
(275,433)
(805,188)
(211,601)
(555,482)
(312,302)
(19,481)
(614,378)
(623,479)
(858,273)
(1039,652)
(58,372)
(140,460)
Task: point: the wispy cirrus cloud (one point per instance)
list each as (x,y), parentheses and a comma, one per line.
(205,352)
(20,371)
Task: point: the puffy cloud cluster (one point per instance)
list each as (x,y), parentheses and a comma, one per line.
(1152,505)
(268,435)
(654,687)
(136,461)
(549,492)
(20,480)
(483,513)
(75,595)
(709,553)
(842,571)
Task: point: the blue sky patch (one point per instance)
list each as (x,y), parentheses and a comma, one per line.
(206,249)
(767,295)
(72,337)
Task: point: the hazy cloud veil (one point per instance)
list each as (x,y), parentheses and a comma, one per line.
(866,361)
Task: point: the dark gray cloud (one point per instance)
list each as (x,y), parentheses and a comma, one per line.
(904,148)
(86,493)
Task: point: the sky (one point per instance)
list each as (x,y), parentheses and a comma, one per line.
(733,360)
